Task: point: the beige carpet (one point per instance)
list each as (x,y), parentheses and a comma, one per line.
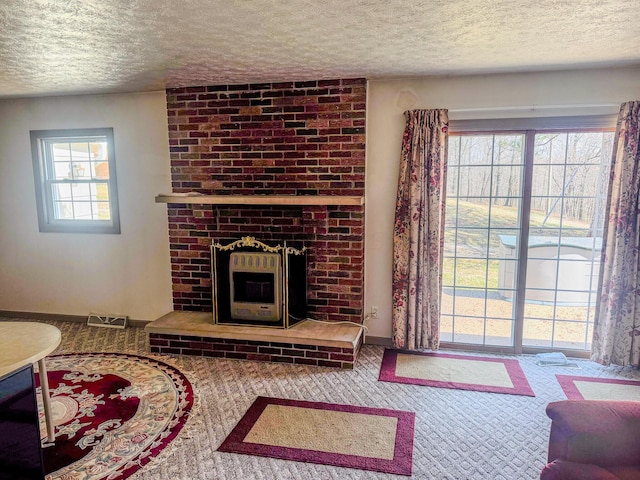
(458,434)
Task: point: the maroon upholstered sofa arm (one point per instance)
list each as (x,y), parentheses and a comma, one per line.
(604,433)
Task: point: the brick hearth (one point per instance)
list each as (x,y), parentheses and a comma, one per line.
(308,343)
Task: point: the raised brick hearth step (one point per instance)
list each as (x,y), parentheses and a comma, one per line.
(308,343)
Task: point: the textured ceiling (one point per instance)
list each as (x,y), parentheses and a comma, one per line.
(86,46)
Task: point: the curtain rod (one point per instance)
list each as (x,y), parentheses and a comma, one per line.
(532,108)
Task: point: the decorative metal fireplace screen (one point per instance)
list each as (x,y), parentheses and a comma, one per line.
(258,284)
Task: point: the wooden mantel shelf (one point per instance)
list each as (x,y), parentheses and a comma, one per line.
(260,199)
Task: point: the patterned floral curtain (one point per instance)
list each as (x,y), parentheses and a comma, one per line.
(419,231)
(616,335)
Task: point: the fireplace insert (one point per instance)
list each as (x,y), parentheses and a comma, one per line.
(255,279)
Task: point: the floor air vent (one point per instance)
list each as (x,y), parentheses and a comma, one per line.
(109,321)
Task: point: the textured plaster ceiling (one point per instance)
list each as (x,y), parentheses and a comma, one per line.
(86,46)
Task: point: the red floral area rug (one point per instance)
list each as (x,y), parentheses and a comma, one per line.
(365,438)
(113,413)
(462,372)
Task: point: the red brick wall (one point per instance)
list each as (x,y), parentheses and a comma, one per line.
(293,138)
(256,351)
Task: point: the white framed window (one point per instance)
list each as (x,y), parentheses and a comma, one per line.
(75,179)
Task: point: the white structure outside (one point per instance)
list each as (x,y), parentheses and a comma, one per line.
(559,270)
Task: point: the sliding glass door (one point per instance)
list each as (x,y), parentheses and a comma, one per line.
(484,196)
(568,195)
(524,216)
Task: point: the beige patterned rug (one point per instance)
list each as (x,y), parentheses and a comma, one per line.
(588,388)
(328,433)
(464,372)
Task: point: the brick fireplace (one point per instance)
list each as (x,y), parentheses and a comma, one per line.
(292,138)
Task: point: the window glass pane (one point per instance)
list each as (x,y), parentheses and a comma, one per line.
(80,152)
(81,170)
(472,243)
(505,183)
(469,302)
(469,213)
(82,210)
(100,191)
(492,275)
(469,330)
(497,307)
(452,182)
(61,191)
(508,150)
(470,273)
(63,210)
(100,170)
(507,278)
(81,192)
(60,152)
(547,184)
(505,213)
(579,212)
(476,150)
(569,334)
(499,332)
(583,231)
(446,306)
(103,211)
(537,332)
(62,170)
(550,148)
(446,328)
(474,181)
(98,151)
(453,151)
(448,265)
(585,148)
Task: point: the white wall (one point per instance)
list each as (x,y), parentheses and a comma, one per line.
(482,96)
(130,273)
(75,274)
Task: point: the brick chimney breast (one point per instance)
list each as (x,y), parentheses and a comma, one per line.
(292,138)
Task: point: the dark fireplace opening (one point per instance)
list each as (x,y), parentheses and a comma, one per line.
(253,287)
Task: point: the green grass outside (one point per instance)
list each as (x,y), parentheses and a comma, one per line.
(473,243)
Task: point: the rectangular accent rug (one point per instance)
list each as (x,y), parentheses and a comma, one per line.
(327,433)
(589,388)
(462,372)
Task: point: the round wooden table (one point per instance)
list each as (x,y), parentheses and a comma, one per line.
(22,343)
